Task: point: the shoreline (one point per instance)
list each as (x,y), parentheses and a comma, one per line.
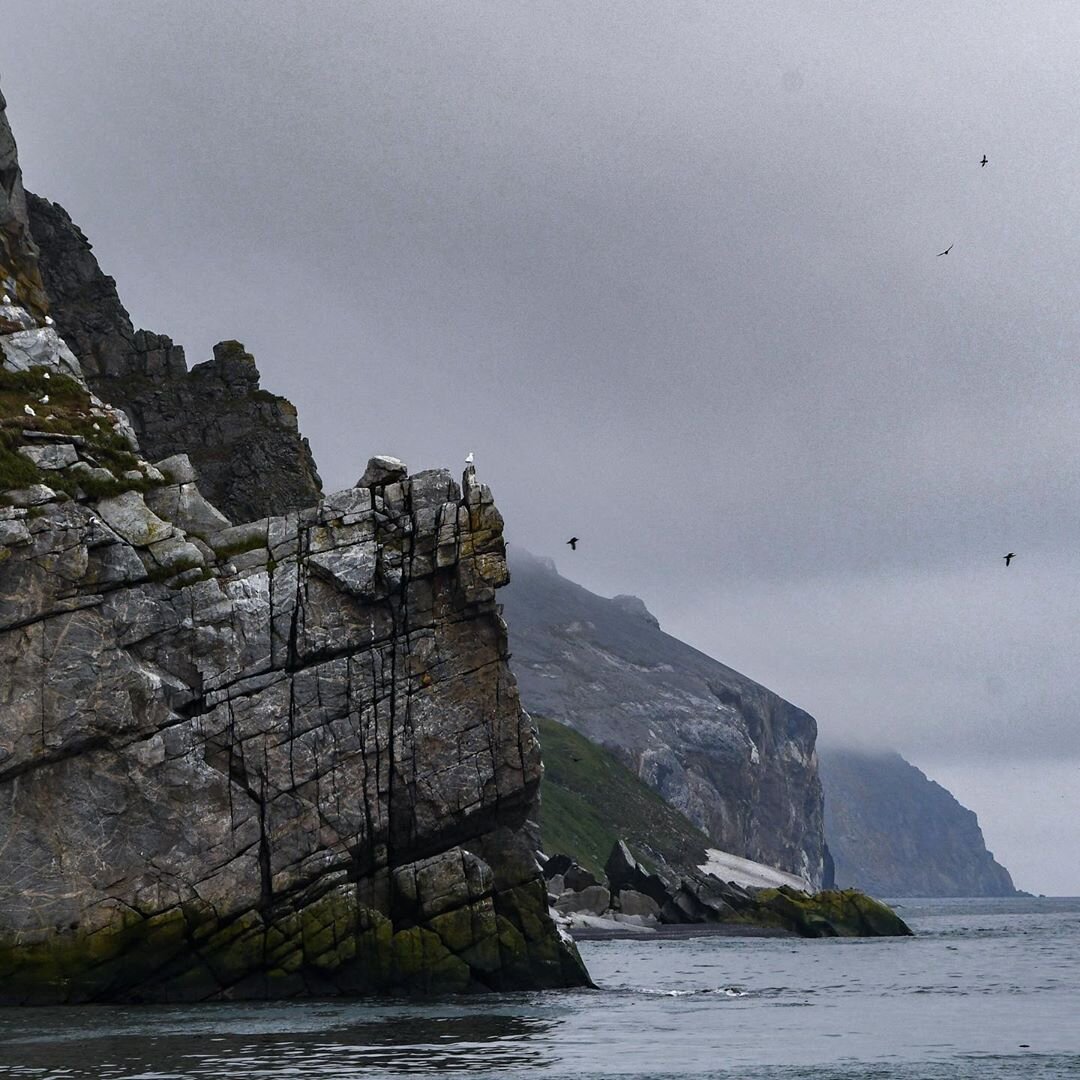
(670,931)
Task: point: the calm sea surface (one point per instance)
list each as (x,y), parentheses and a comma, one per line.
(987,989)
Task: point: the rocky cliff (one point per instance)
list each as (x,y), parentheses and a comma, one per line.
(734,758)
(267,759)
(894,832)
(244,442)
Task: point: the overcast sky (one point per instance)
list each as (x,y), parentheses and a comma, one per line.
(670,270)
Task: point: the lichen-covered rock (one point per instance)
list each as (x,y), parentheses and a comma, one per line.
(280,758)
(832,913)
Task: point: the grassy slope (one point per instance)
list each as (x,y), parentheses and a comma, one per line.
(590,800)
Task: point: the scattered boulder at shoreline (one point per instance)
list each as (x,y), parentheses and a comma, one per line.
(645,900)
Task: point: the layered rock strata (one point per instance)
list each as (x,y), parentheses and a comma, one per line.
(244,441)
(269,759)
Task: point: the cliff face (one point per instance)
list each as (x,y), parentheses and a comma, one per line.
(735,759)
(244,442)
(894,832)
(269,759)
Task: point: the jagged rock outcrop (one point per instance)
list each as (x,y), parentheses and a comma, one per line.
(733,757)
(630,896)
(244,441)
(18,253)
(895,832)
(274,758)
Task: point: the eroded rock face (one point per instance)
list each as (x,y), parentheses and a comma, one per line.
(259,760)
(244,441)
(734,758)
(895,832)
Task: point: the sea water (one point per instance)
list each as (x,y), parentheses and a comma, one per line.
(987,988)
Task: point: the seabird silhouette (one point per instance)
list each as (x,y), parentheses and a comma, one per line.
(983,162)
(1009,558)
(946,251)
(573,543)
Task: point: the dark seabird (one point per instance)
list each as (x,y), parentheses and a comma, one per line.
(1009,558)
(573,543)
(946,251)
(983,162)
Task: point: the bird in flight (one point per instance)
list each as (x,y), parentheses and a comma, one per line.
(983,162)
(1009,558)
(946,251)
(573,543)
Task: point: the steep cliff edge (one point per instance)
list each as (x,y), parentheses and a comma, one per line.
(244,442)
(277,758)
(735,759)
(895,832)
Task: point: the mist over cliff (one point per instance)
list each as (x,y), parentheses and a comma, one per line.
(708,740)
(895,832)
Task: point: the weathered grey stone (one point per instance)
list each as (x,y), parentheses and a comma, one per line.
(382,470)
(34,495)
(635,903)
(13,533)
(128,514)
(594,900)
(176,555)
(177,469)
(41,348)
(51,456)
(184,506)
(352,569)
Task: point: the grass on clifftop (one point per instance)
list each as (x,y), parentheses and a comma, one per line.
(589,800)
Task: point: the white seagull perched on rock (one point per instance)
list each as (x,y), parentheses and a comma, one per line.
(469,458)
(44,399)
(46,375)
(29,412)
(7,299)
(49,320)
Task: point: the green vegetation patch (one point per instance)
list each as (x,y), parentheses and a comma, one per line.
(66,413)
(589,800)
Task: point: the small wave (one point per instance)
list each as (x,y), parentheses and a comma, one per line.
(723,991)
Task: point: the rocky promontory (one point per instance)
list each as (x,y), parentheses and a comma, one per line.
(894,831)
(245,758)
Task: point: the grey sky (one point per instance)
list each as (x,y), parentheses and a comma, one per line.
(670,271)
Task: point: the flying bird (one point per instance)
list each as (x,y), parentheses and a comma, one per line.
(946,251)
(573,543)
(983,162)
(1009,558)
(469,458)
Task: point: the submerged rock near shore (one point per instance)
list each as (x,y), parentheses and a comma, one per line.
(265,759)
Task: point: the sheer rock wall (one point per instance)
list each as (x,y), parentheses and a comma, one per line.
(270,759)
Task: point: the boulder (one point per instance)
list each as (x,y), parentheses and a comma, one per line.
(635,903)
(382,470)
